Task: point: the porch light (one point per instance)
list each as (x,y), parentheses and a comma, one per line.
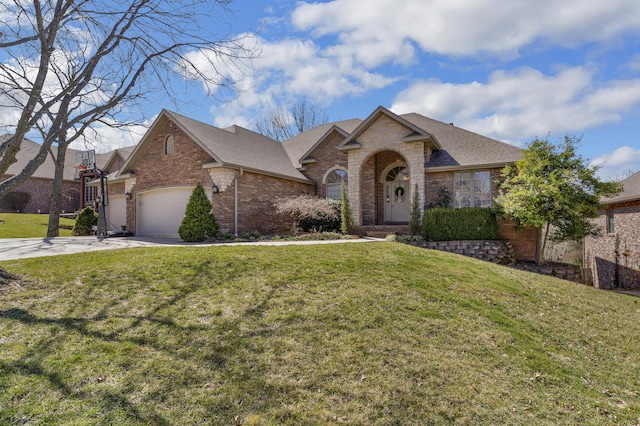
(127,195)
(215,189)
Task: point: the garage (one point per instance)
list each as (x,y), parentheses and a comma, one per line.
(160,212)
(116,213)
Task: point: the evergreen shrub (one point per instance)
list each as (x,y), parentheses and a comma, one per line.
(442,224)
(86,220)
(198,223)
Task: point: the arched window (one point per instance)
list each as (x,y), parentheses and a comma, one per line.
(398,174)
(334,183)
(169,145)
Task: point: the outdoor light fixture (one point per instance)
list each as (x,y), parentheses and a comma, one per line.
(215,188)
(128,195)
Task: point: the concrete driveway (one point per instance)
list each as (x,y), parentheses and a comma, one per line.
(20,248)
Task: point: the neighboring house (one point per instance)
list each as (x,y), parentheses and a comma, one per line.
(39,185)
(382,159)
(614,257)
(76,194)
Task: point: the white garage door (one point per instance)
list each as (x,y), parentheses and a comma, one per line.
(116,213)
(160,212)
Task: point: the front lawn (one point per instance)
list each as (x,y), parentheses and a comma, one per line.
(23,225)
(358,334)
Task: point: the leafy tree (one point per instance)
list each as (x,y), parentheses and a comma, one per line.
(73,65)
(86,220)
(346,215)
(282,125)
(415,224)
(553,186)
(198,223)
(303,207)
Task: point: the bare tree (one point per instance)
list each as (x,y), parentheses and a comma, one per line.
(300,117)
(73,64)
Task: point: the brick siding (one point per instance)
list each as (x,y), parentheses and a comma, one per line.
(40,190)
(524,241)
(613,259)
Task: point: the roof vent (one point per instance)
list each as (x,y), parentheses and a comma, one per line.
(451,124)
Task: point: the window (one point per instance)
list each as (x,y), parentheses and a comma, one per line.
(397,174)
(472,189)
(611,228)
(89,191)
(334,183)
(169,145)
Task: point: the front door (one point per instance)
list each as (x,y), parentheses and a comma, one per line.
(397,200)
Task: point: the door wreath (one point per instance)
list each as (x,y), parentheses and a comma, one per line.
(399,192)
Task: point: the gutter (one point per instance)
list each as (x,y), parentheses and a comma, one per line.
(235,201)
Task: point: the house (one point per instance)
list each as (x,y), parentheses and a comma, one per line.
(40,183)
(382,159)
(613,257)
(76,194)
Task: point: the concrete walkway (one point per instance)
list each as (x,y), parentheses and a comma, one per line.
(20,248)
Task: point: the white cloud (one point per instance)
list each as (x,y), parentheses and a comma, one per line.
(290,69)
(105,138)
(372,30)
(614,165)
(524,103)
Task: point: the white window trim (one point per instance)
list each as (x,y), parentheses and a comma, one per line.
(472,188)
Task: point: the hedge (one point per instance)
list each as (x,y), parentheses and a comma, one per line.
(441,224)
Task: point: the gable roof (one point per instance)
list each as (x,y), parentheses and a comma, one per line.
(416,133)
(630,191)
(462,148)
(29,149)
(300,146)
(234,147)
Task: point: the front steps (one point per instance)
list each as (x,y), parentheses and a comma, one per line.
(381,231)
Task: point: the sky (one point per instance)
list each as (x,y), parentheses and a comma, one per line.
(512,70)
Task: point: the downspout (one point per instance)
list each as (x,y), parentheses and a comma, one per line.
(235,201)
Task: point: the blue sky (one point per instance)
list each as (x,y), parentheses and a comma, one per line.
(509,69)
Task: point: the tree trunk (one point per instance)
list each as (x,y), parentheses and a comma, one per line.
(55,203)
(541,258)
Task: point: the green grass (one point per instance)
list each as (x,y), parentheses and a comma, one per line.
(21,225)
(359,334)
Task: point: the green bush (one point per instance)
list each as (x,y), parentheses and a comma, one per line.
(441,224)
(86,220)
(198,223)
(15,201)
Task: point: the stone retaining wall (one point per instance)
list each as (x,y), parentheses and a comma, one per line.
(558,270)
(495,251)
(501,252)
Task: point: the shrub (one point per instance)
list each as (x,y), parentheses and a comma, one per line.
(414,214)
(303,207)
(346,216)
(86,220)
(441,224)
(198,223)
(324,223)
(15,201)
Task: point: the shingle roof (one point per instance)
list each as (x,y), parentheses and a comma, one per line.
(301,144)
(463,148)
(236,147)
(29,149)
(631,190)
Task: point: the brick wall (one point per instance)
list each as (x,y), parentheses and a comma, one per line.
(256,194)
(328,158)
(40,190)
(614,258)
(524,241)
